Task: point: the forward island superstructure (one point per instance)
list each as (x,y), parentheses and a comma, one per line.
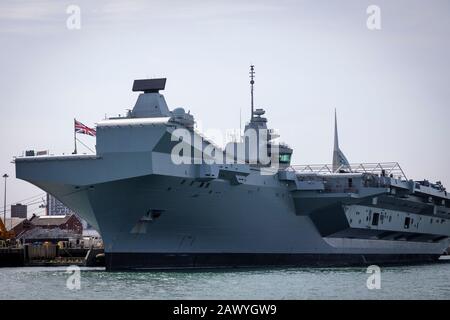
(157,213)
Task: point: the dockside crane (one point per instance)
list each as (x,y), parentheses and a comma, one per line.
(4,233)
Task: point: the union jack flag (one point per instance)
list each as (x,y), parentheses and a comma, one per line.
(83,129)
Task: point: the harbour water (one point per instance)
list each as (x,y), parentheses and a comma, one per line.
(407,282)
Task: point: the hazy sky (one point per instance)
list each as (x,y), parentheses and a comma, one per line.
(390,86)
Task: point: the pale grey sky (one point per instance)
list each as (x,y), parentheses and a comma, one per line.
(390,86)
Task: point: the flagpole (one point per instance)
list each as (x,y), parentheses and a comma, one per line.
(74,136)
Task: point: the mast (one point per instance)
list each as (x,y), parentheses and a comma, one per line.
(252,82)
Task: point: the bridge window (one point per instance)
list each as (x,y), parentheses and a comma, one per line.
(285,158)
(375,218)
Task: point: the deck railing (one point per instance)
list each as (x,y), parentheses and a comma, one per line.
(388,169)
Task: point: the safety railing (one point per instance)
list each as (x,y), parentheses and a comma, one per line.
(388,169)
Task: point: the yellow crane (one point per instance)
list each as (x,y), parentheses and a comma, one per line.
(4,233)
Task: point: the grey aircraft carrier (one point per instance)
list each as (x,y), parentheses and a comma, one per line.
(154,213)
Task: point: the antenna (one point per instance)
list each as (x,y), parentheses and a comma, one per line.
(252,82)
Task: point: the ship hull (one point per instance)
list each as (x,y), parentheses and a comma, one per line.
(159,221)
(174,261)
(221,226)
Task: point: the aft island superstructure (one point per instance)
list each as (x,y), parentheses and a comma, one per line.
(216,210)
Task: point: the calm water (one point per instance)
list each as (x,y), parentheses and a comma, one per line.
(413,282)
